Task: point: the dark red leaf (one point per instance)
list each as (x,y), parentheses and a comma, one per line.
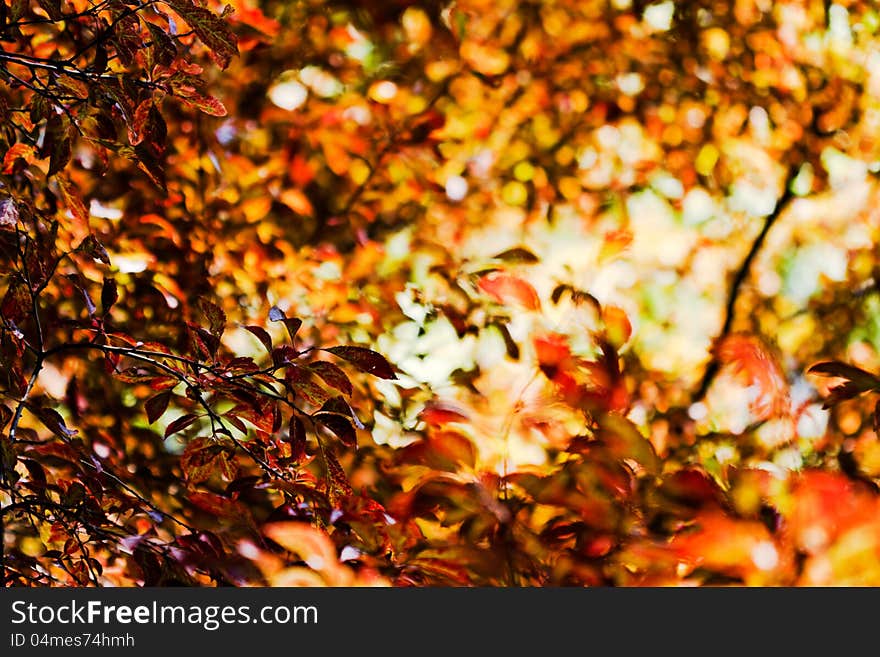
(53,421)
(16,304)
(518,255)
(297,437)
(366,360)
(109,294)
(235,421)
(292,324)
(332,375)
(157,405)
(94,249)
(212,30)
(262,335)
(342,407)
(242,364)
(5,415)
(339,425)
(164,48)
(284,354)
(862,380)
(180,423)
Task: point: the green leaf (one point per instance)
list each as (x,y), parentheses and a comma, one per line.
(366,360)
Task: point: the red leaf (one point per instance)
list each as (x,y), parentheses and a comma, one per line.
(442,413)
(297,437)
(57,143)
(311,392)
(366,360)
(262,335)
(94,249)
(261,418)
(203,457)
(207,104)
(339,485)
(180,423)
(292,324)
(53,421)
(332,375)
(210,28)
(157,405)
(16,302)
(109,294)
(215,316)
(508,289)
(136,129)
(223,507)
(339,425)
(753,360)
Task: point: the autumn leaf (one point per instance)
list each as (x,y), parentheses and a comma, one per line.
(365,360)
(210,28)
(292,324)
(340,425)
(751,358)
(15,153)
(180,423)
(332,375)
(157,405)
(215,316)
(8,214)
(508,289)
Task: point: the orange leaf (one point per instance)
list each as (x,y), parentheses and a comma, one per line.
(309,544)
(506,288)
(17,151)
(753,360)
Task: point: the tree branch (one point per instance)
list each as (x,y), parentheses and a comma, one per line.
(740,278)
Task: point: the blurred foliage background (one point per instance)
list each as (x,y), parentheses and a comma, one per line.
(600,241)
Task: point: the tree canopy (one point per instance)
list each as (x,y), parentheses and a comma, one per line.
(510,293)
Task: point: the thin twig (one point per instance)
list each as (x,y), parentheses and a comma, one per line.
(739,279)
